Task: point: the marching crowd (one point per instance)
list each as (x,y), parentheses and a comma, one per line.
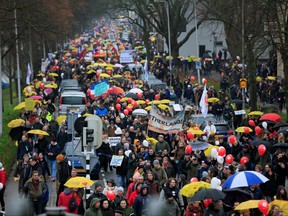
(155,167)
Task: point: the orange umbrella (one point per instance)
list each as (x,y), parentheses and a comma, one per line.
(115,90)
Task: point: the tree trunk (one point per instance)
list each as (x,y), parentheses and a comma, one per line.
(285,86)
(251,77)
(233,41)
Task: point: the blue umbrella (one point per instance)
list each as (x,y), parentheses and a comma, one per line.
(244,179)
(198,146)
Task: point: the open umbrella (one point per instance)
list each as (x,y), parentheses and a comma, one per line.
(281,145)
(283,130)
(250,204)
(148,108)
(244,179)
(104,75)
(257,113)
(260,142)
(190,189)
(115,90)
(236,195)
(15,123)
(119,65)
(91,72)
(60,119)
(196,131)
(140,102)
(19,106)
(213,100)
(271,78)
(38,132)
(140,112)
(280,125)
(271,117)
(207,152)
(208,193)
(236,101)
(198,146)
(165,101)
(124,99)
(135,91)
(79,182)
(154,102)
(16,133)
(283,205)
(152,140)
(53,74)
(117,76)
(241,129)
(163,107)
(132,95)
(36,97)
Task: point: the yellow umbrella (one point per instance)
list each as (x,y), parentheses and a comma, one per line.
(180,57)
(130,105)
(271,78)
(38,132)
(258,79)
(79,182)
(139,102)
(15,123)
(196,131)
(213,100)
(283,205)
(193,57)
(190,189)
(101,64)
(142,61)
(89,67)
(154,102)
(148,108)
(25,89)
(91,71)
(152,62)
(53,74)
(241,129)
(207,151)
(152,140)
(40,75)
(256,113)
(208,59)
(110,65)
(52,85)
(169,57)
(38,102)
(103,75)
(109,68)
(117,76)
(60,119)
(157,56)
(37,85)
(165,101)
(124,99)
(138,47)
(163,107)
(196,59)
(20,106)
(247,205)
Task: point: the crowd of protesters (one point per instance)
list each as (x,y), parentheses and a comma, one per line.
(152,169)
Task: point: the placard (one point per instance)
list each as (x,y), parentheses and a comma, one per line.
(113,141)
(116,160)
(29,104)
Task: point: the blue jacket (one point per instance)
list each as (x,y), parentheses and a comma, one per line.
(55,149)
(101,112)
(141,201)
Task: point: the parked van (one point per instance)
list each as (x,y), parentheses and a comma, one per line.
(72,101)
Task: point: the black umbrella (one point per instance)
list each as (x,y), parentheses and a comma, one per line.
(236,195)
(236,101)
(208,193)
(281,145)
(132,95)
(280,124)
(16,133)
(283,130)
(259,142)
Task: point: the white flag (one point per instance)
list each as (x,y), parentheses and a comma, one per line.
(28,74)
(204,102)
(146,70)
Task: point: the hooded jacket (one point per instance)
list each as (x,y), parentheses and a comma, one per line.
(141,201)
(92,211)
(64,199)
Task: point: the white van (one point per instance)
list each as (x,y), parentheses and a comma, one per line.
(72,101)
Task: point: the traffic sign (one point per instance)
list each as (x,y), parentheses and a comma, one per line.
(243,83)
(198,65)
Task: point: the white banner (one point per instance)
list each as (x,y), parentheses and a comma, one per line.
(160,124)
(126,56)
(114,140)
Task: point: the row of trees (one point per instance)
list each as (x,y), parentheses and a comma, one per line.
(42,26)
(251,27)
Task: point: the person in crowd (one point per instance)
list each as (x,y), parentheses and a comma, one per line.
(19,173)
(125,208)
(65,197)
(94,208)
(170,207)
(3,179)
(142,201)
(111,186)
(24,147)
(105,208)
(34,188)
(51,152)
(160,174)
(96,194)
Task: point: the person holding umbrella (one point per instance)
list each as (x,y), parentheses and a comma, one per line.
(215,208)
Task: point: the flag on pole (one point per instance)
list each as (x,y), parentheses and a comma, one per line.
(204,102)
(146,70)
(82,54)
(28,74)
(115,49)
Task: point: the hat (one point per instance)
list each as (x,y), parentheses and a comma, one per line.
(161,135)
(141,167)
(156,162)
(60,157)
(230,167)
(189,86)
(204,174)
(129,139)
(98,184)
(206,162)
(111,181)
(120,189)
(119,212)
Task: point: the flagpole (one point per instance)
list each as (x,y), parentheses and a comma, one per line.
(17,56)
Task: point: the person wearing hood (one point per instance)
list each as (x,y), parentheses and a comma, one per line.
(141,201)
(63,172)
(52,151)
(152,184)
(97,194)
(106,209)
(94,208)
(111,186)
(135,193)
(66,195)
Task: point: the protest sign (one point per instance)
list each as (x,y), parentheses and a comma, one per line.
(116,160)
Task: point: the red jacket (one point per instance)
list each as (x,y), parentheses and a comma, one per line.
(130,190)
(3,176)
(65,197)
(133,197)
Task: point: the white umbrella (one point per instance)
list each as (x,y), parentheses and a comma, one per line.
(136,90)
(140,112)
(119,65)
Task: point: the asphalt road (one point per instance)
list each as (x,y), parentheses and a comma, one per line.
(15,205)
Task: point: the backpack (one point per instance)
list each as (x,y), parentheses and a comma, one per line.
(72,203)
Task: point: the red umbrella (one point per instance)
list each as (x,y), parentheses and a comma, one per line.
(271,117)
(115,90)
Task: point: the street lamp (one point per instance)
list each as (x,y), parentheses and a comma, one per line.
(169,35)
(197,43)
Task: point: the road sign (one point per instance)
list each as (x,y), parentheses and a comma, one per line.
(243,83)
(198,65)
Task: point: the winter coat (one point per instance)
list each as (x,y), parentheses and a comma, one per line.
(160,175)
(107,212)
(94,195)
(161,146)
(20,172)
(141,202)
(63,171)
(130,190)
(23,148)
(41,145)
(174,191)
(3,176)
(92,211)
(55,149)
(122,170)
(133,196)
(38,167)
(192,170)
(153,187)
(31,192)
(170,209)
(62,139)
(64,199)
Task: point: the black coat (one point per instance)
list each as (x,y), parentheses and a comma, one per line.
(122,170)
(23,148)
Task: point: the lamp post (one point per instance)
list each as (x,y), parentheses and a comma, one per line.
(197,42)
(169,35)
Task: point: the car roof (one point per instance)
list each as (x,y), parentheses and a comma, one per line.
(69,82)
(200,115)
(72,93)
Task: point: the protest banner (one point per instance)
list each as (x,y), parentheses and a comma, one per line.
(116,160)
(160,124)
(101,88)
(114,140)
